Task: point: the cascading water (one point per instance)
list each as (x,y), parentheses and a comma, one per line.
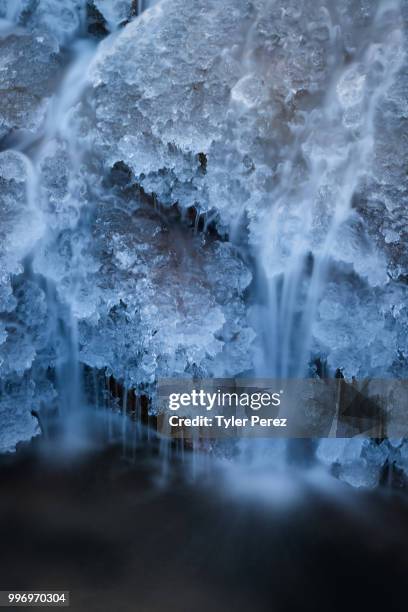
(268,129)
(215,189)
(64,308)
(55,130)
(329,155)
(62,326)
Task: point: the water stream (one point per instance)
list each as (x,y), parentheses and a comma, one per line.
(302,233)
(100,503)
(326,155)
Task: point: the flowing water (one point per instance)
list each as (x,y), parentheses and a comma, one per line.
(327,157)
(267,527)
(328,154)
(79,427)
(302,233)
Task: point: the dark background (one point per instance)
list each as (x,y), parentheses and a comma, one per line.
(104,529)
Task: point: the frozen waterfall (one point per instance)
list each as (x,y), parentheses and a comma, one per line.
(200,189)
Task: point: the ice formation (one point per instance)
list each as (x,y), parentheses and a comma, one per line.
(293,124)
(288,119)
(115,12)
(26,87)
(22,302)
(62,20)
(114,283)
(278,128)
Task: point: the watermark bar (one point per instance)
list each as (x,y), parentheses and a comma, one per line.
(21,599)
(290,408)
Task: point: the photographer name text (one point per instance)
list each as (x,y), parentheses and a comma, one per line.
(225,422)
